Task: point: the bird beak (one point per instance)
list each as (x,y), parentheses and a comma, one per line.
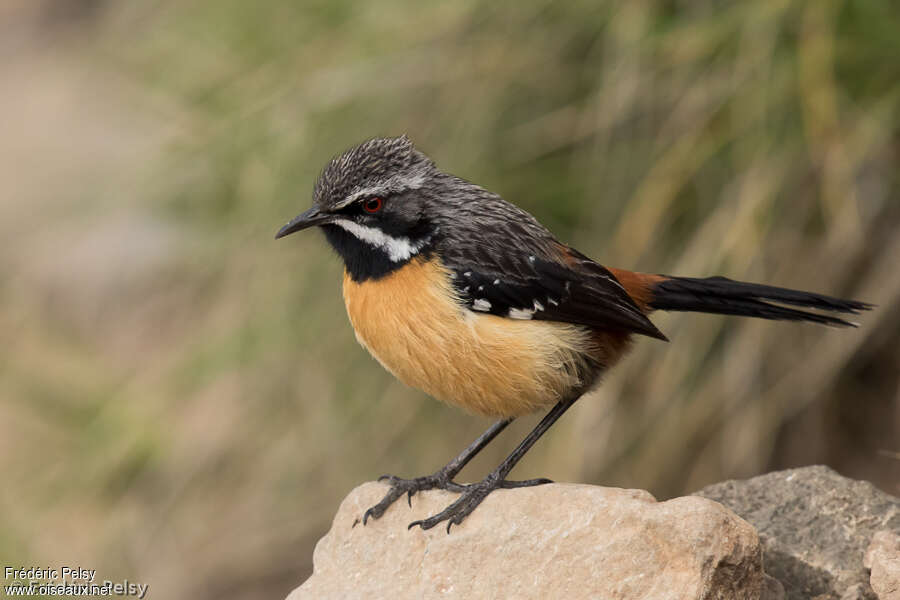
(306,219)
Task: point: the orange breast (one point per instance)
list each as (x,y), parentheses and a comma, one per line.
(412,322)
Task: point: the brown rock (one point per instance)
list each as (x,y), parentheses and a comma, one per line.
(552,541)
(883,559)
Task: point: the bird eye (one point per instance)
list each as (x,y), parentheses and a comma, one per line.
(373,205)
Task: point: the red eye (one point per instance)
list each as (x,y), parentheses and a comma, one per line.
(373,205)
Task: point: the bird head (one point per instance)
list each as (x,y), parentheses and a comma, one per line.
(372,203)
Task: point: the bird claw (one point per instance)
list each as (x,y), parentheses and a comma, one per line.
(462,507)
(469,500)
(509,485)
(410,487)
(471,496)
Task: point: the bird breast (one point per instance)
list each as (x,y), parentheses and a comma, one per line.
(413,323)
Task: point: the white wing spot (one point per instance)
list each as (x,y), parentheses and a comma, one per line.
(496,281)
(518,313)
(467,274)
(481,305)
(552,301)
(538,305)
(480,288)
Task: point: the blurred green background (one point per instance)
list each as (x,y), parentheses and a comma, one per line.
(182,398)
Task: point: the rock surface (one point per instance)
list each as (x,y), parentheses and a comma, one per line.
(553,541)
(815,527)
(883,560)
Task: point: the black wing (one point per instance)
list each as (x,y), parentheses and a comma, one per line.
(536,277)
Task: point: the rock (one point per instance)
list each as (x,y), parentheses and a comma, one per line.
(857,591)
(552,541)
(883,560)
(815,526)
(771,589)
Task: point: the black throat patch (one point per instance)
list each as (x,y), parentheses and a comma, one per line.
(363,260)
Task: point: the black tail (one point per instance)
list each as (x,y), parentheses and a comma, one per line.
(724,296)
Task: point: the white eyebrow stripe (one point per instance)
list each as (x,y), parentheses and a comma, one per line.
(358,195)
(397,248)
(393,185)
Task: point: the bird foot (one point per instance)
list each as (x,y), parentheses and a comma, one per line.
(441,480)
(470,498)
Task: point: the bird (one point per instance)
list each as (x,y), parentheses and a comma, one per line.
(467,297)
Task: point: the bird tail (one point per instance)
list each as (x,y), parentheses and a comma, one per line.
(723,296)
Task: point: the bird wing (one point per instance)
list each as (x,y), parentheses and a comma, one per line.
(522,272)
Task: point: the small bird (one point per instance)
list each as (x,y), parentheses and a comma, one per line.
(465,296)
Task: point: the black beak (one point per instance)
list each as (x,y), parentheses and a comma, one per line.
(306,219)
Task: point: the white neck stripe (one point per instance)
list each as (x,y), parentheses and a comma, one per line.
(397,248)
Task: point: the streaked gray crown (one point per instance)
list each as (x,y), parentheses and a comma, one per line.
(378,167)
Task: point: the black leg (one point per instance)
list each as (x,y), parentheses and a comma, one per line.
(442,479)
(472,495)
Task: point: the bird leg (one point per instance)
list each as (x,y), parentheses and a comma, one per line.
(442,479)
(473,494)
